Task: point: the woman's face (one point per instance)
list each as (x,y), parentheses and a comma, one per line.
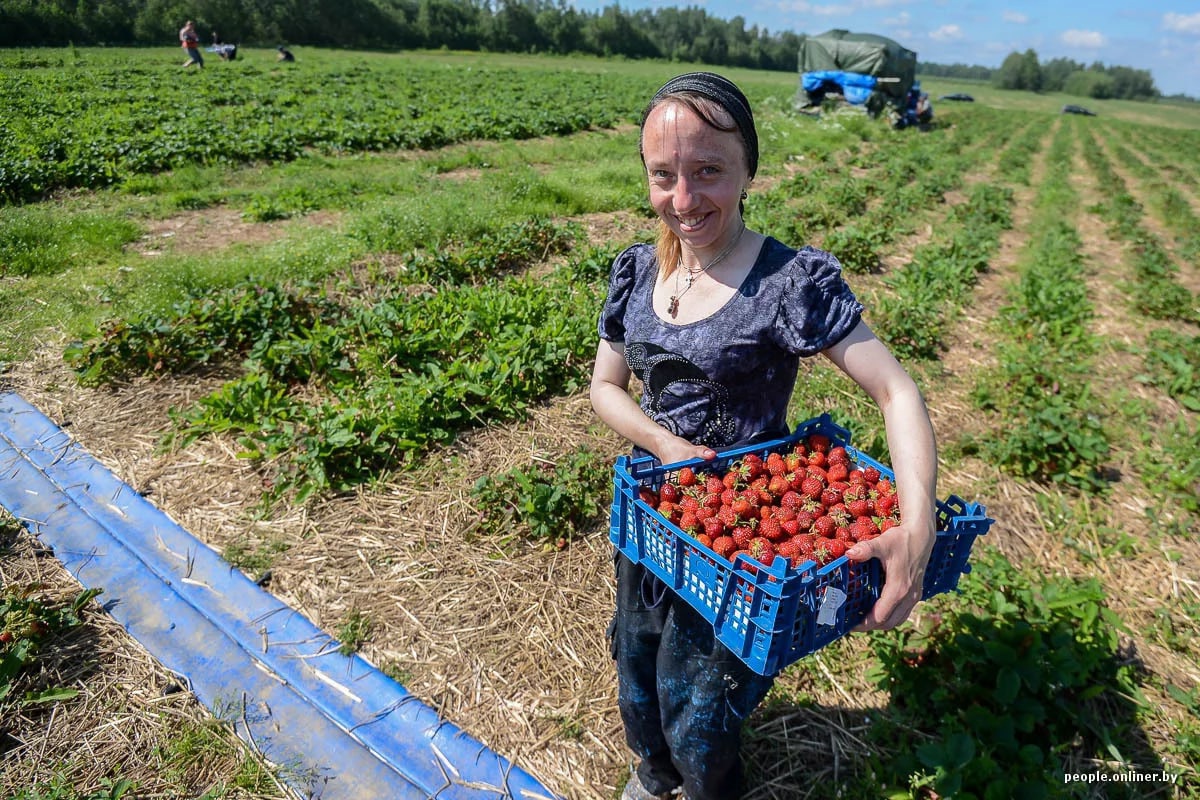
(696,173)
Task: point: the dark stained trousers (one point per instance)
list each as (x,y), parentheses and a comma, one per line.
(682,694)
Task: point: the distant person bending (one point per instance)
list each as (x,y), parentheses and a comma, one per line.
(191,42)
(284,54)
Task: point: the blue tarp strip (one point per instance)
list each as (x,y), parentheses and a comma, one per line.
(340,727)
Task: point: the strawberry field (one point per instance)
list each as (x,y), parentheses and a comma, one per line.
(338,320)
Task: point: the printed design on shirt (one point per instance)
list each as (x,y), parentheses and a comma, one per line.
(679,396)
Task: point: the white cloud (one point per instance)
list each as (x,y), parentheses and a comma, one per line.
(1092,39)
(903,19)
(1015,17)
(946,33)
(1182,23)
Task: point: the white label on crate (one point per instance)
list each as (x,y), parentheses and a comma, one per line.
(834,597)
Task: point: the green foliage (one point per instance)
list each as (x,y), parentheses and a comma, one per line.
(206,328)
(353,631)
(1004,686)
(546,501)
(61,789)
(26,619)
(41,241)
(1172,363)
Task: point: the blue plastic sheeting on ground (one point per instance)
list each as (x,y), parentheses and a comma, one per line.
(338,727)
(855,86)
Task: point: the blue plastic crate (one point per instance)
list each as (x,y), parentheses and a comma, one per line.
(772,616)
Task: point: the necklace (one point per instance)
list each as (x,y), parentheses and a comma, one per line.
(673,305)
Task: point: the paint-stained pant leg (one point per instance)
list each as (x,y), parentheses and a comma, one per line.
(683,696)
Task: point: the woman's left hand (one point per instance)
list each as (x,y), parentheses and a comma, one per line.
(904,554)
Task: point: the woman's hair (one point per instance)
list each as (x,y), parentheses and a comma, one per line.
(721,105)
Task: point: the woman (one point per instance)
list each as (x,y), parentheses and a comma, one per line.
(713,320)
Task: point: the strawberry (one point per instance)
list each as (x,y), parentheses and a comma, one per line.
(838,455)
(791,527)
(742,508)
(805,519)
(871,475)
(816,459)
(794,461)
(863,528)
(669,493)
(727,517)
(742,536)
(788,548)
(885,504)
(819,442)
(883,486)
(775,464)
(859,507)
(687,476)
(791,499)
(754,466)
(811,488)
(713,527)
(724,546)
(648,496)
(713,484)
(704,539)
(778,486)
(688,522)
(831,496)
(761,550)
(824,526)
(689,502)
(711,500)
(770,529)
(887,524)
(836,548)
(838,472)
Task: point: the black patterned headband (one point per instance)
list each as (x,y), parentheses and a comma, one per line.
(724,93)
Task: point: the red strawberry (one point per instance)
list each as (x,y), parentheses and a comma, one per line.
(824,526)
(818,442)
(713,527)
(794,461)
(805,519)
(724,546)
(687,477)
(788,548)
(887,524)
(775,464)
(727,517)
(883,486)
(704,539)
(836,548)
(648,496)
(754,466)
(838,455)
(732,479)
(838,472)
(791,499)
(711,500)
(885,504)
(761,550)
(811,488)
(871,474)
(688,522)
(816,459)
(742,536)
(713,484)
(831,496)
(669,493)
(859,507)
(791,527)
(770,529)
(779,486)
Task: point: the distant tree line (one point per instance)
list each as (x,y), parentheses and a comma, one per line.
(1024,72)
(688,35)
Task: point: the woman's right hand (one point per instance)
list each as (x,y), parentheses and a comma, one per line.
(675,449)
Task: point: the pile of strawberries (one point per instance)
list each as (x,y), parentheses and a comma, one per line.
(809,504)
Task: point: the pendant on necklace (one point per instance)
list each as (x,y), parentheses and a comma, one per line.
(673,306)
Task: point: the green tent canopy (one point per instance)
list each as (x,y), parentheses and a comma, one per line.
(893,65)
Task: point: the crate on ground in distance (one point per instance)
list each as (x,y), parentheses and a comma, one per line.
(771,616)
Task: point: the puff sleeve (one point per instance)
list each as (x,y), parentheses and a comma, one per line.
(621,282)
(817,308)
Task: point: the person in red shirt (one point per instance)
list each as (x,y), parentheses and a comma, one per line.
(189,41)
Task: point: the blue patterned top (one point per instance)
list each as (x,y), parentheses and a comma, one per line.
(726,379)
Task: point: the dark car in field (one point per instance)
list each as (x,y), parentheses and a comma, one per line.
(1073,109)
(959,96)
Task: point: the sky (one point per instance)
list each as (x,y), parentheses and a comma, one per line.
(1161,37)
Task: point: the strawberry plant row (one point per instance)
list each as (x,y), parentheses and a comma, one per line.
(1155,291)
(120,119)
(1049,425)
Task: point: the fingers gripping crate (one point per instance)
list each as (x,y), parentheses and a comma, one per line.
(771,616)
